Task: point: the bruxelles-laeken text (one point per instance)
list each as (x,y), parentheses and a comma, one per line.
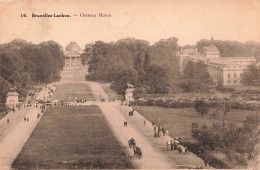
(48,15)
(65,15)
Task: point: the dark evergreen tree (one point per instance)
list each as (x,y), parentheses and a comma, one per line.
(147,61)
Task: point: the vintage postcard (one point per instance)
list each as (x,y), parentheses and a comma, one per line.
(119,84)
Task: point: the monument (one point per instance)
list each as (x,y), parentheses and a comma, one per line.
(129,93)
(12,99)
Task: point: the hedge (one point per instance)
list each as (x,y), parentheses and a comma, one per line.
(213,102)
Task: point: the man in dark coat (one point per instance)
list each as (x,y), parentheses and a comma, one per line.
(171,145)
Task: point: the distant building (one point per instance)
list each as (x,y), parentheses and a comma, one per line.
(129,93)
(12,99)
(72,56)
(227,70)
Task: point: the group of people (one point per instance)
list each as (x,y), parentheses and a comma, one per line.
(26,119)
(158,130)
(175,145)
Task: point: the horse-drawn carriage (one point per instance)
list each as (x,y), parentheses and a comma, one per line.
(138,152)
(131,143)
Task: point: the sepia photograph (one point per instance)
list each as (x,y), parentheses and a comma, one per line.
(120,84)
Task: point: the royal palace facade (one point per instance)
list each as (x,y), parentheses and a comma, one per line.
(227,70)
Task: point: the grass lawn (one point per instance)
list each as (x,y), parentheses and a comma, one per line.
(79,90)
(178,121)
(111,93)
(72,137)
(73,75)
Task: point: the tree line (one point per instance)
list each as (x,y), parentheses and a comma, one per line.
(238,143)
(232,48)
(150,69)
(155,68)
(23,64)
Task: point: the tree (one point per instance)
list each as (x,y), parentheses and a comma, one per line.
(138,63)
(147,61)
(119,84)
(140,92)
(201,107)
(4,87)
(189,70)
(200,72)
(87,55)
(225,107)
(157,79)
(251,75)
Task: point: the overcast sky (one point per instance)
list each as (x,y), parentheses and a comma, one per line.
(188,20)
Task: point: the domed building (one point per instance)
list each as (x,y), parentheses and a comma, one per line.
(211,51)
(72,56)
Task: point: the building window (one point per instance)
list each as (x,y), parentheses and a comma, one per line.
(240,74)
(235,75)
(228,81)
(228,75)
(235,81)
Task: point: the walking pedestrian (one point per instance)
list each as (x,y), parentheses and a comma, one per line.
(179,149)
(144,122)
(159,130)
(171,145)
(186,150)
(27,119)
(168,144)
(24,119)
(163,131)
(155,131)
(175,146)
(126,123)
(8,121)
